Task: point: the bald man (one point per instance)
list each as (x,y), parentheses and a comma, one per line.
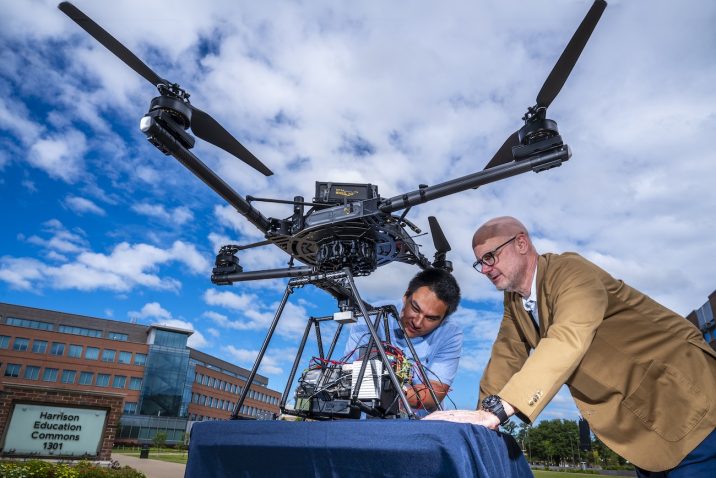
(642,375)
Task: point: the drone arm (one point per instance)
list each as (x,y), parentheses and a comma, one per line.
(158,134)
(260,275)
(550,159)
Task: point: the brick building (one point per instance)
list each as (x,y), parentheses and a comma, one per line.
(703,318)
(164,383)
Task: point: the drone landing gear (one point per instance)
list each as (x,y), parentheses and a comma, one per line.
(327,406)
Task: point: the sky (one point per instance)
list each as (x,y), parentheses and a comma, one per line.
(99,222)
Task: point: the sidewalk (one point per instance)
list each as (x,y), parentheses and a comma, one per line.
(152,468)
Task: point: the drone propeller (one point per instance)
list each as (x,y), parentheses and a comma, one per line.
(202,124)
(559,74)
(442,246)
(551,87)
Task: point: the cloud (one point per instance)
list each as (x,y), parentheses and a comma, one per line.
(82,205)
(271,363)
(178,216)
(153,310)
(253,314)
(127,266)
(61,157)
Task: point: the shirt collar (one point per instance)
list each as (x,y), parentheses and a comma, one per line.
(530,302)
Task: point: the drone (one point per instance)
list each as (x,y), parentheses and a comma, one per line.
(348,229)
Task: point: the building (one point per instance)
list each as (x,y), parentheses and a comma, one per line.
(703,318)
(165,384)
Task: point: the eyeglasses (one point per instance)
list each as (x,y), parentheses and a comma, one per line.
(489,258)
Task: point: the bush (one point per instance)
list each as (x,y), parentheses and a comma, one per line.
(43,469)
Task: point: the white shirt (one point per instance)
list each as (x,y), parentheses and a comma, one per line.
(530,303)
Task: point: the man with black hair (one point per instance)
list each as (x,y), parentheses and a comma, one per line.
(432,295)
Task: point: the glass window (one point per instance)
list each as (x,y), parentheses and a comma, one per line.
(140,359)
(119,381)
(32,324)
(57,348)
(130,408)
(205,380)
(117,336)
(4,341)
(108,355)
(167,338)
(102,380)
(50,375)
(68,376)
(20,344)
(75,351)
(92,353)
(80,331)
(125,357)
(211,379)
(12,370)
(31,372)
(135,383)
(86,378)
(199,377)
(39,346)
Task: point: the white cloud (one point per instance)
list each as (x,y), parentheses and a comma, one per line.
(151,310)
(60,156)
(177,216)
(81,205)
(271,363)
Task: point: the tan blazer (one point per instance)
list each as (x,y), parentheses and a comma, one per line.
(642,376)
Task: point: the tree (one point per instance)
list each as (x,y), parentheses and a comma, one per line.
(160,439)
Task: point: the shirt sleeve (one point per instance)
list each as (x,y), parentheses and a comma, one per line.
(443,362)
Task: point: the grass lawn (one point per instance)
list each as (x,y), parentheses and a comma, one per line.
(172,456)
(560,474)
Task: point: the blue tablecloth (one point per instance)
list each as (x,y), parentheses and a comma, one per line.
(351,448)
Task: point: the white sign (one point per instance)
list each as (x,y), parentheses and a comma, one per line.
(51,431)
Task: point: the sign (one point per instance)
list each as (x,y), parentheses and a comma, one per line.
(43,430)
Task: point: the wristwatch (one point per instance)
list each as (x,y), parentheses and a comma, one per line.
(493,404)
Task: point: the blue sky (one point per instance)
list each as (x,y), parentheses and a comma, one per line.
(98,222)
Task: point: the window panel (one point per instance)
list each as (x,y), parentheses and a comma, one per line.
(75,351)
(86,378)
(102,380)
(68,376)
(125,357)
(92,353)
(50,375)
(57,348)
(31,372)
(20,344)
(108,355)
(39,346)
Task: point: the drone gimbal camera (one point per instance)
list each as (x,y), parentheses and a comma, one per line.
(348,229)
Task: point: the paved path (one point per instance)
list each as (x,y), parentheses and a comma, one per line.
(152,468)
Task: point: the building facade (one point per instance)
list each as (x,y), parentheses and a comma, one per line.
(165,384)
(703,318)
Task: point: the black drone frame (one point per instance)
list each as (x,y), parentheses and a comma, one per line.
(349,230)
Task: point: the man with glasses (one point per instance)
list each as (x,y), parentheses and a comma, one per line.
(641,375)
(432,295)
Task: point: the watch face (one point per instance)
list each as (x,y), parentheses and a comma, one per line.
(490,401)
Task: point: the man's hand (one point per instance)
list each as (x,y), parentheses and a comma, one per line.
(476,417)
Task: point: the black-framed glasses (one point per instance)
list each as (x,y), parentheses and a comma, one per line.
(489,258)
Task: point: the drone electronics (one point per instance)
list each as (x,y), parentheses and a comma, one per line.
(348,229)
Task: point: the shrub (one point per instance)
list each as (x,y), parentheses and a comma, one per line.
(43,469)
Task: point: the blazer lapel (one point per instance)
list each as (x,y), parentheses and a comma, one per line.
(542,309)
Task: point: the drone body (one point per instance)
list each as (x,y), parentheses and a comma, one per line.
(347,225)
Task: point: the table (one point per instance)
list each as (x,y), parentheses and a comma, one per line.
(351,448)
